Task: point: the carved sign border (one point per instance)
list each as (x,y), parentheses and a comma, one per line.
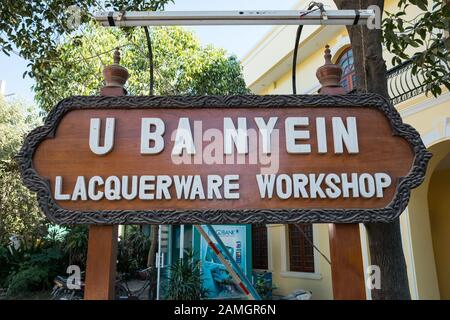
(220,216)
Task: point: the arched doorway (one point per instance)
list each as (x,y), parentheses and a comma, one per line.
(429,228)
(439,212)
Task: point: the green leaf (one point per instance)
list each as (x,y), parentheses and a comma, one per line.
(423,5)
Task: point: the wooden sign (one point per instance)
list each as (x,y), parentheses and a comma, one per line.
(234,159)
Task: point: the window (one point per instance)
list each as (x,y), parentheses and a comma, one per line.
(301,251)
(259,241)
(345,60)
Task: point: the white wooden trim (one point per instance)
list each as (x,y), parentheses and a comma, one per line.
(436,134)
(313,89)
(423,105)
(315,232)
(283,249)
(365,256)
(301,275)
(269,251)
(415,292)
(170,244)
(181,254)
(430,137)
(447,127)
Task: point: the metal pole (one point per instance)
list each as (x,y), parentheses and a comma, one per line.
(158,263)
(181,241)
(248,17)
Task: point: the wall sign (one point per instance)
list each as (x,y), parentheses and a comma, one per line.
(216,160)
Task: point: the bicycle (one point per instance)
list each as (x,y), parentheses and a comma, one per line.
(123,291)
(62,292)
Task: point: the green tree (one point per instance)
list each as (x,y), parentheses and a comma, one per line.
(182,65)
(34,29)
(19,213)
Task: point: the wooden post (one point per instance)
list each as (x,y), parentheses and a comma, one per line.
(347,269)
(102,244)
(101,263)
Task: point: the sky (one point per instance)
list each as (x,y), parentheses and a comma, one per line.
(236,40)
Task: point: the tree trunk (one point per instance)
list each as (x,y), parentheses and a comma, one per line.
(384,238)
(153,246)
(151,261)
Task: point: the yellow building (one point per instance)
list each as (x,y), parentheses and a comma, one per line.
(425,224)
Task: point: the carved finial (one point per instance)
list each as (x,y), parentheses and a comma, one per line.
(115,75)
(327,55)
(117,56)
(329,75)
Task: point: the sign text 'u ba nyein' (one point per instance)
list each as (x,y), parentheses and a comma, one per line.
(243,137)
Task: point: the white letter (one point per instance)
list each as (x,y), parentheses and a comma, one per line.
(366,185)
(214,183)
(156,136)
(145,186)
(341,134)
(112,188)
(292,135)
(239,136)
(94,136)
(58,190)
(265,184)
(314,185)
(332,191)
(93,183)
(80,189)
(229,187)
(321,135)
(162,186)
(134,182)
(182,186)
(382,180)
(183,138)
(265,129)
(346,185)
(197,189)
(281,194)
(300,182)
